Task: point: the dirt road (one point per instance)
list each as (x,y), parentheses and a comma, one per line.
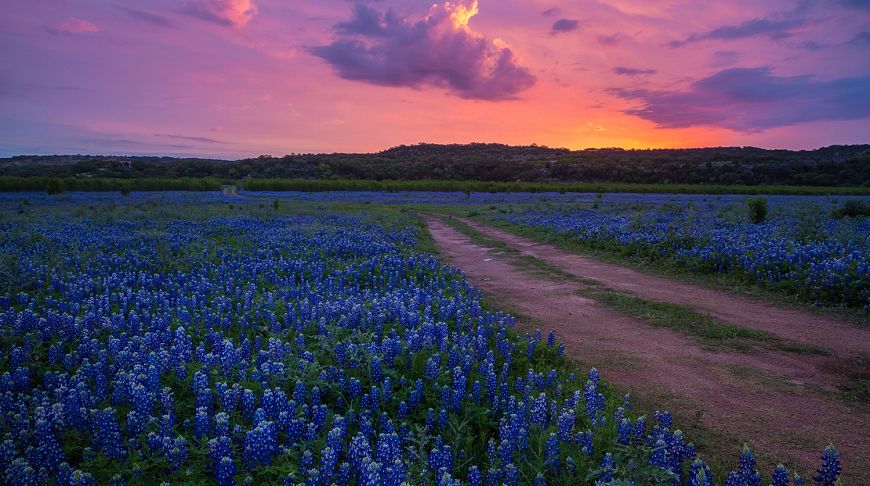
(793,324)
(764,398)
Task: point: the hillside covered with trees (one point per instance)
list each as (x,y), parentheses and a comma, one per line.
(838,165)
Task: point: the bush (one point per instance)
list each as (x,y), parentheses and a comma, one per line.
(54,186)
(852,208)
(757,209)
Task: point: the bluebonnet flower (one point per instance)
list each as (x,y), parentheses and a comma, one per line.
(474,476)
(566,425)
(780,476)
(375,367)
(48,450)
(829,471)
(432,368)
(511,475)
(624,432)
(659,457)
(107,434)
(551,455)
(261,444)
(584,441)
(607,469)
(201,423)
(539,411)
(746,474)
(700,474)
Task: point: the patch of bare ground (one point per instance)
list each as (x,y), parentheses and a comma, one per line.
(768,399)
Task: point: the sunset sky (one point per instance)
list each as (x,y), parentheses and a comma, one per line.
(237,78)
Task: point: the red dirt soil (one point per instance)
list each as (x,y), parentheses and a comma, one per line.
(759,397)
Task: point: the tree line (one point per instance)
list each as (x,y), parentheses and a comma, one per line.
(843,165)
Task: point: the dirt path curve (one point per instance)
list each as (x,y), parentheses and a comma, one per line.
(792,324)
(738,396)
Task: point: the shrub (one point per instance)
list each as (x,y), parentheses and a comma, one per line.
(54,186)
(852,208)
(757,209)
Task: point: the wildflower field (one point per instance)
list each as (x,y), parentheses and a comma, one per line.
(180,339)
(798,249)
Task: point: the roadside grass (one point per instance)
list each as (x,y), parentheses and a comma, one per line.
(856,386)
(709,331)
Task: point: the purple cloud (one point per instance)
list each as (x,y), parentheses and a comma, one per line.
(565,25)
(144,16)
(189,138)
(551,12)
(862,38)
(609,40)
(775,29)
(627,71)
(752,100)
(438,50)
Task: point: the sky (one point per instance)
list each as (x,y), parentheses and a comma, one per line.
(240,78)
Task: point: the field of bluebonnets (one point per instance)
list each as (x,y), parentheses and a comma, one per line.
(195,339)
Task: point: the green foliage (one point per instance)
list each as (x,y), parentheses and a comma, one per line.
(852,208)
(757,207)
(54,186)
(48,184)
(468,186)
(842,165)
(126,188)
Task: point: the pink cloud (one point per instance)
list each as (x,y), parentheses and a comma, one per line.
(73,26)
(229,13)
(439,49)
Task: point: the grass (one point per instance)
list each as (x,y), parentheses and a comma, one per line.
(469,186)
(709,331)
(856,386)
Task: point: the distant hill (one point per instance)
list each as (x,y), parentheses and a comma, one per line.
(837,165)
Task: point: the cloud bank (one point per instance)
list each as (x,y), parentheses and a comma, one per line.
(753,100)
(440,49)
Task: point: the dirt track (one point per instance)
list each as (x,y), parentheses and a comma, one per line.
(761,397)
(792,324)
